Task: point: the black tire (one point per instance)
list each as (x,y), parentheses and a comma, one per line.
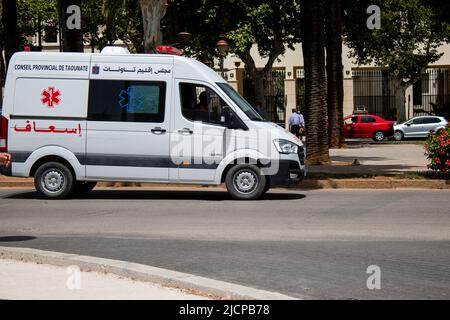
(54,180)
(398,135)
(245,182)
(267,186)
(379,136)
(82,187)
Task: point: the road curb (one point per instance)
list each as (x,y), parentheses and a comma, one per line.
(210,288)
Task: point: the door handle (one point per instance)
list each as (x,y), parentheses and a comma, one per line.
(185,131)
(158,130)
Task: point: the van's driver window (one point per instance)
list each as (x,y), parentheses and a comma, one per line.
(128,101)
(200,103)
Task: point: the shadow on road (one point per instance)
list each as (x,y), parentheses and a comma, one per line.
(16,238)
(161,195)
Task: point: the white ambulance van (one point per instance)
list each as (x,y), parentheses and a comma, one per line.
(72,119)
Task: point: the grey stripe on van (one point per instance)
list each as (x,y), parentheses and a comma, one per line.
(19,156)
(122,161)
(137,161)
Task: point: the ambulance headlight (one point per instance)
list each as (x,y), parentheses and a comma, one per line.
(285,146)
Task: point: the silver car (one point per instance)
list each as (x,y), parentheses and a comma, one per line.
(418,127)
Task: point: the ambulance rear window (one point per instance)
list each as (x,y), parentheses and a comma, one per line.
(126,101)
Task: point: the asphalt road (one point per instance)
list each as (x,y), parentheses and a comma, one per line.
(316,244)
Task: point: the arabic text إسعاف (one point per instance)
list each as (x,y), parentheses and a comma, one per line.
(50,129)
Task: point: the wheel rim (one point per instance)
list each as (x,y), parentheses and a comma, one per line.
(245,181)
(379,136)
(398,136)
(53,181)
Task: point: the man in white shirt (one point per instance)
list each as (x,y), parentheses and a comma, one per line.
(296,121)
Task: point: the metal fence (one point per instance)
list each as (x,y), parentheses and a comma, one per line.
(373,92)
(274,97)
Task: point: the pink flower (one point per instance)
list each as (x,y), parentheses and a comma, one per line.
(437,160)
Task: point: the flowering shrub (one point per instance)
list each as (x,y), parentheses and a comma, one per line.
(437,149)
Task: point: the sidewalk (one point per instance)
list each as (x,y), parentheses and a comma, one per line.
(375,158)
(27,280)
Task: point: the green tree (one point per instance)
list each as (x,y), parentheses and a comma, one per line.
(273,26)
(152,11)
(316,113)
(93,23)
(35,16)
(406,43)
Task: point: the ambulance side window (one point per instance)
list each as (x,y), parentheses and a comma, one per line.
(126,101)
(201,103)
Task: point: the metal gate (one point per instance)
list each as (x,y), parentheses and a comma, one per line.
(431,94)
(373,93)
(274,97)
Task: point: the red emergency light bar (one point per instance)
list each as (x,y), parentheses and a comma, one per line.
(169,50)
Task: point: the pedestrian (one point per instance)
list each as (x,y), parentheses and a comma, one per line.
(302,124)
(260,109)
(294,123)
(5,159)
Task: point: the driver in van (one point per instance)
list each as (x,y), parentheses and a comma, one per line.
(202,108)
(5,159)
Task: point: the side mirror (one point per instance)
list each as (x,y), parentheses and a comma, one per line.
(230,120)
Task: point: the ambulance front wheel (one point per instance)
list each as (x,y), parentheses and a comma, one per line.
(54,180)
(245,182)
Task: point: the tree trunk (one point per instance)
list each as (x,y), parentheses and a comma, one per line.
(335,78)
(152,13)
(72,39)
(256,76)
(400,91)
(316,113)
(9,17)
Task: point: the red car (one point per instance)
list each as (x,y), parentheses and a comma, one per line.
(368,126)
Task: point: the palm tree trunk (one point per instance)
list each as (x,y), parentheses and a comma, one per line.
(152,13)
(335,78)
(9,17)
(72,38)
(316,113)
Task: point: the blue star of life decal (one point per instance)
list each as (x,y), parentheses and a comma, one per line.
(131,99)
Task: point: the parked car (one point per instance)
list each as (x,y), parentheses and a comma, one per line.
(418,127)
(368,126)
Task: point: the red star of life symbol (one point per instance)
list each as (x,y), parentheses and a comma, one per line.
(50,97)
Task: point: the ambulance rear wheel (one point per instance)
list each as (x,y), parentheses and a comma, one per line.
(245,182)
(54,180)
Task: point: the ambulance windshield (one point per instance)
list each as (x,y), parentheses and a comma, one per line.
(240,102)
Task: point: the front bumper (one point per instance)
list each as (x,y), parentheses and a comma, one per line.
(291,170)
